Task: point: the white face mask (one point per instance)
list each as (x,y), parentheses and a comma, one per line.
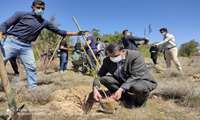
(117,59)
(39,12)
(127,34)
(164,33)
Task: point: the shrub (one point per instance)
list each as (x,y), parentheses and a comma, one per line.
(189,49)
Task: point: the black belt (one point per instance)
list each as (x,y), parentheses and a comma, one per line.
(171,47)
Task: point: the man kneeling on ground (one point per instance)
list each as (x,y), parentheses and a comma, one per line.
(129,80)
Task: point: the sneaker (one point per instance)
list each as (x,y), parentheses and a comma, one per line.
(128,101)
(13,114)
(32,88)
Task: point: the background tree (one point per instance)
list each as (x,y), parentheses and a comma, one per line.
(189,48)
(116,37)
(96,32)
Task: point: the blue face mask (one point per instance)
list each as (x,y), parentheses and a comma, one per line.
(39,12)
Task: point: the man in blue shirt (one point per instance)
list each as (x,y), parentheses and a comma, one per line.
(21,30)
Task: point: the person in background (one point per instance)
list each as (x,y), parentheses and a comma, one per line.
(49,53)
(78,46)
(21,30)
(170,49)
(43,57)
(130,41)
(154,53)
(63,55)
(101,46)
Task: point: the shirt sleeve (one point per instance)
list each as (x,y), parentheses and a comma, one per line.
(50,26)
(138,70)
(138,38)
(103,70)
(10,22)
(167,39)
(99,47)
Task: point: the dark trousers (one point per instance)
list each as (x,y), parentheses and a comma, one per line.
(154,57)
(13,62)
(136,96)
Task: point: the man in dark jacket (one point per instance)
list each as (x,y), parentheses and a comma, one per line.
(130,80)
(131,42)
(21,30)
(154,53)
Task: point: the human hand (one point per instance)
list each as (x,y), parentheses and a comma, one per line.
(97,96)
(82,32)
(118,94)
(1,36)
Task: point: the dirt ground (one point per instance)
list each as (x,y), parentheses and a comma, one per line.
(59,96)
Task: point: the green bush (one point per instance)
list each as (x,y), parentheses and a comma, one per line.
(116,37)
(189,48)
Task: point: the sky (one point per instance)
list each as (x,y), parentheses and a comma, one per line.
(181,17)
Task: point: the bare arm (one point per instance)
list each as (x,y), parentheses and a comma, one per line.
(63,48)
(72,33)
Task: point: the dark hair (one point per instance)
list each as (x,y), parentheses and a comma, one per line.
(63,42)
(124,31)
(38,2)
(113,47)
(163,30)
(98,38)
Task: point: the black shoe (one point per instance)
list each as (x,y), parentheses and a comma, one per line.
(128,101)
(131,100)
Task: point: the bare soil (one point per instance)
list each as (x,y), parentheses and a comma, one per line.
(59,96)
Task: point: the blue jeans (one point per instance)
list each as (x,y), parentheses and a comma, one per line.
(13,48)
(63,61)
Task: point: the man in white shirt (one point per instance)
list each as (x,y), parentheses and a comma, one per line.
(170,49)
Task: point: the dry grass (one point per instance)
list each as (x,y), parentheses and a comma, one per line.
(183,93)
(183,90)
(59,97)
